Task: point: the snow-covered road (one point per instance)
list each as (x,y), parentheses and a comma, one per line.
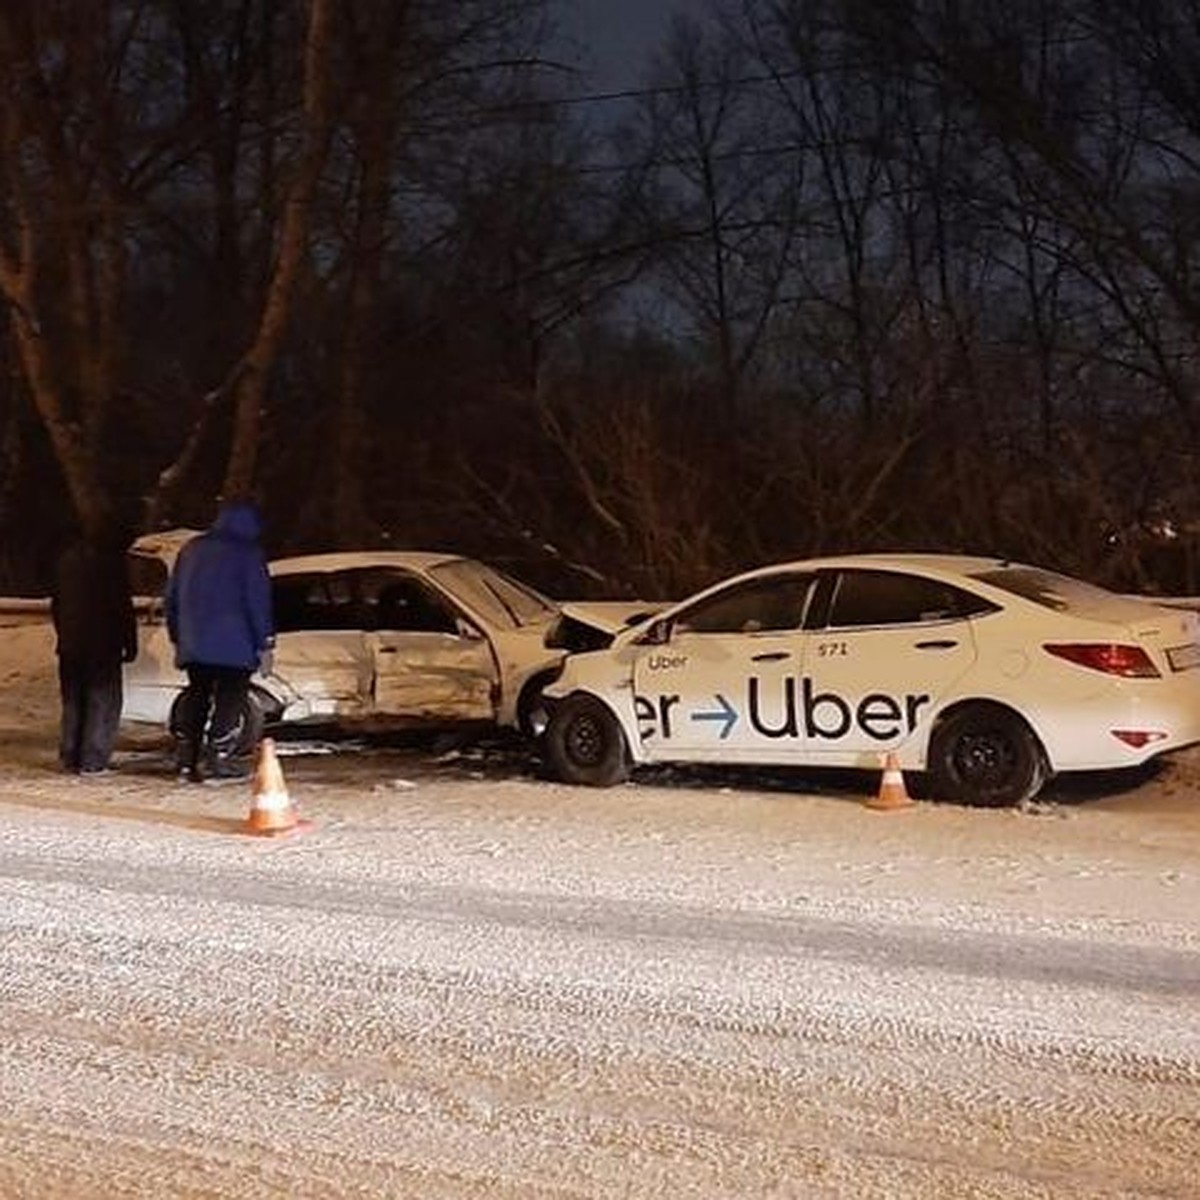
(466,982)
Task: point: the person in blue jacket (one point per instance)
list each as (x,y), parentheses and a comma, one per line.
(218,608)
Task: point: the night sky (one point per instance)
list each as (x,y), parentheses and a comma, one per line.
(618,35)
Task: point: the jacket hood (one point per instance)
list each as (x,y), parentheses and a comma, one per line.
(238,519)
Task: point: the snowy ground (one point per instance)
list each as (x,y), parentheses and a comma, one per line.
(466,982)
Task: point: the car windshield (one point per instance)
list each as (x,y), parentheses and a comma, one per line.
(1058,592)
(492,594)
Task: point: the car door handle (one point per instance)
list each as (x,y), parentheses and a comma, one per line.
(387,649)
(772,656)
(943,644)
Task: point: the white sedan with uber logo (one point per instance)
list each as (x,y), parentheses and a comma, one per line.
(990,676)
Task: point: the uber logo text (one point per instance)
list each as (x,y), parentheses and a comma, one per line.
(664,662)
(823,716)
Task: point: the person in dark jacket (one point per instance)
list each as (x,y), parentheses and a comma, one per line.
(96,629)
(218,608)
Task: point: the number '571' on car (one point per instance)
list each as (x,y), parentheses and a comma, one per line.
(988,675)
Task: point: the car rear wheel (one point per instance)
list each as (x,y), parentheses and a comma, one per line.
(584,743)
(985,755)
(250,723)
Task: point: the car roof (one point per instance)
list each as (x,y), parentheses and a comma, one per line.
(163,544)
(344,560)
(949,564)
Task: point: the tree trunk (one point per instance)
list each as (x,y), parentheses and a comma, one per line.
(252,373)
(61,267)
(349,507)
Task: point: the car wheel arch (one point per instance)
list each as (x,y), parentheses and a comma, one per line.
(529,701)
(957,705)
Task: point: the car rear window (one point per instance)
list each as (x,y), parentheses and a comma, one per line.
(1060,593)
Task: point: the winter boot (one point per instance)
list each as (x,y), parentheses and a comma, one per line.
(187,758)
(221,760)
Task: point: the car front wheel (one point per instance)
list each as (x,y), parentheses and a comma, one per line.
(985,755)
(584,743)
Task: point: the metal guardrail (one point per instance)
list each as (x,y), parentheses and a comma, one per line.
(19,604)
(16,611)
(28,610)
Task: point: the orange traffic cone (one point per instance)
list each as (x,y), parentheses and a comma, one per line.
(892,792)
(271,810)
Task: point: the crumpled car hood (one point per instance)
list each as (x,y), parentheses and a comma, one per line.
(611,616)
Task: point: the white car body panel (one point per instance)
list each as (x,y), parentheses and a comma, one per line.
(474,673)
(152,680)
(843,697)
(321,674)
(434,676)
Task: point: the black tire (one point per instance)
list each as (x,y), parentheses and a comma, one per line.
(584,743)
(174,721)
(985,755)
(251,722)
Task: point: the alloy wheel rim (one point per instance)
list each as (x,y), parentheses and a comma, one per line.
(585,741)
(985,758)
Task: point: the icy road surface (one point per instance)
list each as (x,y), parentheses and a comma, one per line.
(466,982)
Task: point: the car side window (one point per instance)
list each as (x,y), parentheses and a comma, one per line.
(872,598)
(321,600)
(404,604)
(772,605)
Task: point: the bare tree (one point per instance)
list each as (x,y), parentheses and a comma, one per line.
(248,382)
(722,210)
(65,195)
(1079,102)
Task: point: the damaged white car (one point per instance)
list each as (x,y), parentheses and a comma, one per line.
(987,675)
(390,637)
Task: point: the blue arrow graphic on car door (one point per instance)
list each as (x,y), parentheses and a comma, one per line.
(727,713)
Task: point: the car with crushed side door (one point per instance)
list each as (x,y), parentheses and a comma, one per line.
(380,638)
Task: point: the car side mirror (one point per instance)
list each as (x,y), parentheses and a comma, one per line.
(659,634)
(464,629)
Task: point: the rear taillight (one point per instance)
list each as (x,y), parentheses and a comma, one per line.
(1130,662)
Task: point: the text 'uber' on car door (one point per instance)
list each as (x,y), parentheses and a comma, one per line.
(883,648)
(720,683)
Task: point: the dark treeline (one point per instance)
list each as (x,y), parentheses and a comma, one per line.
(848,275)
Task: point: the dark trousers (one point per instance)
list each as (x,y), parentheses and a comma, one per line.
(91,697)
(212,705)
